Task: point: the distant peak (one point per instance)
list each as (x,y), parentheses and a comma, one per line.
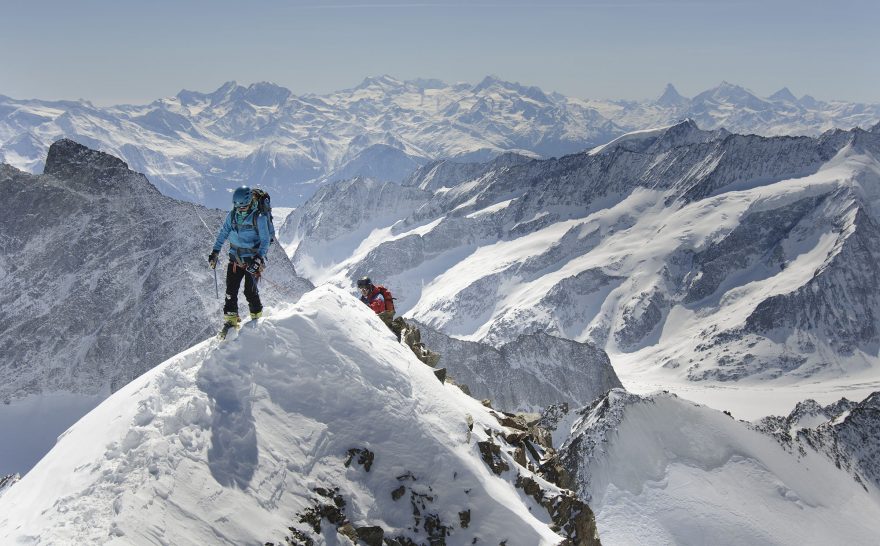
(809,101)
(428,83)
(730,93)
(266,94)
(382,81)
(528,91)
(226,88)
(784,94)
(671,97)
(488,81)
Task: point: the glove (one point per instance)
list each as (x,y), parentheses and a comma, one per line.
(255,266)
(212,259)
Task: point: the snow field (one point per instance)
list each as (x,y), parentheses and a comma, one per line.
(673,472)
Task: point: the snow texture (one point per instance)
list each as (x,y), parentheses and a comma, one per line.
(660,470)
(228,442)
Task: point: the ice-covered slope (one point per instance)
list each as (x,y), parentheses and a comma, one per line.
(106,277)
(311,423)
(330,226)
(196,146)
(661,470)
(698,255)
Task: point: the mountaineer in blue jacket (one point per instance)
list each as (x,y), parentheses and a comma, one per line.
(248,233)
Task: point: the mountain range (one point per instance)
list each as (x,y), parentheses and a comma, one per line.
(113,280)
(678,254)
(198,146)
(687,255)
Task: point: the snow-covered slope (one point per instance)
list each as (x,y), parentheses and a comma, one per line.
(696,255)
(661,470)
(105,277)
(197,146)
(344,212)
(310,424)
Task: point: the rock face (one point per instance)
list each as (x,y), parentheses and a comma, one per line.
(447,173)
(846,432)
(197,146)
(8,481)
(529,373)
(326,230)
(760,251)
(111,276)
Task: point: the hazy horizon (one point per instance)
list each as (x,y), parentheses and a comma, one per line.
(122,53)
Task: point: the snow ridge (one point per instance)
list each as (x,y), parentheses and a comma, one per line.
(230,441)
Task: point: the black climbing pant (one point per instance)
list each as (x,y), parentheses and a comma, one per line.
(234,274)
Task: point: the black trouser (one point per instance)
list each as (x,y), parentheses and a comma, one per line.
(234,274)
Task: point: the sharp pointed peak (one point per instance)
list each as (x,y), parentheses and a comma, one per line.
(671,96)
(784,94)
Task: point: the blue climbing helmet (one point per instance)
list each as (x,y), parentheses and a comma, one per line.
(242,198)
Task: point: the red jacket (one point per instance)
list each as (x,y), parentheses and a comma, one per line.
(375,300)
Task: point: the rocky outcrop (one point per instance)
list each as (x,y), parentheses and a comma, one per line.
(529,373)
(8,481)
(112,276)
(520,451)
(846,432)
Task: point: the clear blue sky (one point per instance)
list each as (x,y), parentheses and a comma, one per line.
(124,51)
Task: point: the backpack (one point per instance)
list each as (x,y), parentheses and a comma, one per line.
(264,207)
(389,299)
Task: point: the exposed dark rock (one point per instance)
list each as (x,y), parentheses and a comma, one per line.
(370,536)
(364,458)
(846,432)
(8,481)
(491,454)
(528,374)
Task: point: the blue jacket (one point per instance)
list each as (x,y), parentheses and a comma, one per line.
(245,242)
